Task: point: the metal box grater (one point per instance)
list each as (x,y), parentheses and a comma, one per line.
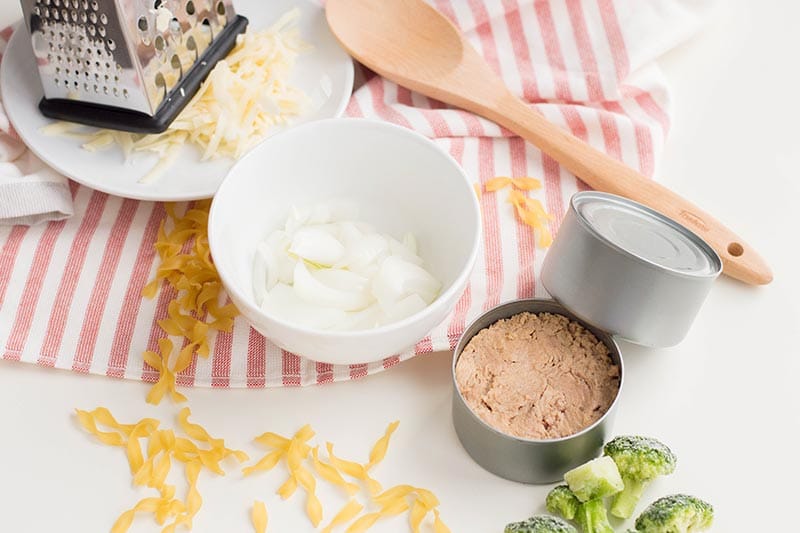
(127,64)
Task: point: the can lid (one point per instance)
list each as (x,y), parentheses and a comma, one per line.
(646,234)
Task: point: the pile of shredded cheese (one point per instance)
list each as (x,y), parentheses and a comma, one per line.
(244,97)
(198,450)
(529,211)
(186,266)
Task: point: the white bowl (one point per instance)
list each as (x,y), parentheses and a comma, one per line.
(401,182)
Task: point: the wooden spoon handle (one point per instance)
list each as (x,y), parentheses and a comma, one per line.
(605,173)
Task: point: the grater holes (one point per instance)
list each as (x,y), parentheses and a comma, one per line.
(93,4)
(102,31)
(159,43)
(65,14)
(116,91)
(73,15)
(103,18)
(190,9)
(157,4)
(75,4)
(85,4)
(125,93)
(221,10)
(111,44)
(56,3)
(142,24)
(175,25)
(92,30)
(84,17)
(93,17)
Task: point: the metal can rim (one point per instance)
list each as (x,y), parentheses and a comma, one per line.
(712,255)
(555,308)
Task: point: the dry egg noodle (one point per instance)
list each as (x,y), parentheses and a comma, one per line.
(529,211)
(345,515)
(244,97)
(163,446)
(186,265)
(259,517)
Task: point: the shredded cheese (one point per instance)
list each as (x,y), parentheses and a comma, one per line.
(242,100)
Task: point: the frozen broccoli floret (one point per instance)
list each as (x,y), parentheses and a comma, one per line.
(678,513)
(639,460)
(541,524)
(590,515)
(596,479)
(563,502)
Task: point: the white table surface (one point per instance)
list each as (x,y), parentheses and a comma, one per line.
(726,399)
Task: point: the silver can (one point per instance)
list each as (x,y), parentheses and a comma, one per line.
(628,270)
(520,459)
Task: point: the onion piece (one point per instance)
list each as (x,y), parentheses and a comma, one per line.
(283,302)
(314,291)
(316,245)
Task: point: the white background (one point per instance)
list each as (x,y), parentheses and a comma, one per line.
(726,400)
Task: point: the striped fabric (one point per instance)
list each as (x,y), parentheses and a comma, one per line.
(70,290)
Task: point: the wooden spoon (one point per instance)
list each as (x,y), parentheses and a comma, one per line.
(412,44)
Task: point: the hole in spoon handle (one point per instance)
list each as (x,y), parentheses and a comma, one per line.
(735,249)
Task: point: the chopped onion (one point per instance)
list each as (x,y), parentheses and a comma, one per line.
(325,270)
(316,245)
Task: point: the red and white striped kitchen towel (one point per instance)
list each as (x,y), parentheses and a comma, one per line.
(70,290)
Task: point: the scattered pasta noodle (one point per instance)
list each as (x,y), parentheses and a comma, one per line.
(244,98)
(259,517)
(151,467)
(529,211)
(196,310)
(296,452)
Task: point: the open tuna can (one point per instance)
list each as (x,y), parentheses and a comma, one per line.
(515,457)
(536,382)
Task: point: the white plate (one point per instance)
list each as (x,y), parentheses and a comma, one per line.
(325,74)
